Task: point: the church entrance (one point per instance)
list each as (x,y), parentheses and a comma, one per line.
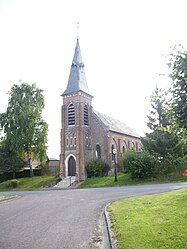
(71,166)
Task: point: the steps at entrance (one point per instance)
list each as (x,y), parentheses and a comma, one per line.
(65,182)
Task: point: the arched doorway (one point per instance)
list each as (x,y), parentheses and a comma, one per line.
(71,166)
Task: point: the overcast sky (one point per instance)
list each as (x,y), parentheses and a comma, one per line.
(122,43)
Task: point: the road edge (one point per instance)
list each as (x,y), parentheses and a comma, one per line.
(112,240)
(7,198)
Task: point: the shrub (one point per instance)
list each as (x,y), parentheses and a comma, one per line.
(97,167)
(139,165)
(172,165)
(11,183)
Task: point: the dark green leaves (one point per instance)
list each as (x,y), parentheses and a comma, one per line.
(24,128)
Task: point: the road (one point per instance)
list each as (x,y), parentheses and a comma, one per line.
(69,219)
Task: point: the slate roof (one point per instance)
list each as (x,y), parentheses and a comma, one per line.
(116,125)
(52,159)
(77,79)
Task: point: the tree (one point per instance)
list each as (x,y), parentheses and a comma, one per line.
(25,130)
(9,161)
(158,117)
(161,140)
(178,65)
(162,143)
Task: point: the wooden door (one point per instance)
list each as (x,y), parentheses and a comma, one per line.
(71,167)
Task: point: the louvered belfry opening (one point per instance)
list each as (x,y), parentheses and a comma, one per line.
(71,115)
(86,115)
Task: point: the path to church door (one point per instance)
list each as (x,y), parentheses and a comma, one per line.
(71,166)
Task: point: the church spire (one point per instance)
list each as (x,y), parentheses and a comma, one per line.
(77,79)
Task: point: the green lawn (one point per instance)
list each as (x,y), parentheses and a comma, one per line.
(29,183)
(5,195)
(123,179)
(151,222)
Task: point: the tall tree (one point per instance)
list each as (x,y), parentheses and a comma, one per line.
(161,140)
(24,128)
(178,65)
(158,117)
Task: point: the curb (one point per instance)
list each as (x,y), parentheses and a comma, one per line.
(112,240)
(6,198)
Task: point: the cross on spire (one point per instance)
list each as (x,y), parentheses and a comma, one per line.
(77,30)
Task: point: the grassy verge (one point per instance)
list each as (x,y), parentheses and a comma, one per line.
(154,221)
(28,183)
(5,195)
(123,179)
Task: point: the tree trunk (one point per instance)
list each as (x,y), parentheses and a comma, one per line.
(13,175)
(30,164)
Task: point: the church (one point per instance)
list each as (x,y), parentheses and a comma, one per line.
(85,133)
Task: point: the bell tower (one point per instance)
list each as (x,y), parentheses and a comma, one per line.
(76,121)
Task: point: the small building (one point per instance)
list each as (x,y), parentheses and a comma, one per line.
(86,133)
(52,165)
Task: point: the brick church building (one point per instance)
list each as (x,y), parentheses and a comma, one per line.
(86,133)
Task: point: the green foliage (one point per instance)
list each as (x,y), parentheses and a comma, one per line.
(165,138)
(178,66)
(158,114)
(9,160)
(96,167)
(25,130)
(162,143)
(172,167)
(139,165)
(168,116)
(11,183)
(19,174)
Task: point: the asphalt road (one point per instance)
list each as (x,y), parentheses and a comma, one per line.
(69,219)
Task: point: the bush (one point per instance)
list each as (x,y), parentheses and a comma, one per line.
(11,183)
(19,174)
(97,167)
(172,166)
(5,177)
(140,165)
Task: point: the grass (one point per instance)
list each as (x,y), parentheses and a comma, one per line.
(29,183)
(151,222)
(5,195)
(123,179)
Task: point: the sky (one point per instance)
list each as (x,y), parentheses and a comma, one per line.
(123,45)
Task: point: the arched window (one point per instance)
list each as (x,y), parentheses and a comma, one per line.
(136,146)
(86,115)
(133,146)
(71,114)
(123,149)
(98,151)
(129,145)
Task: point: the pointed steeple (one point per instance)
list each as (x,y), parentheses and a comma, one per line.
(77,79)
